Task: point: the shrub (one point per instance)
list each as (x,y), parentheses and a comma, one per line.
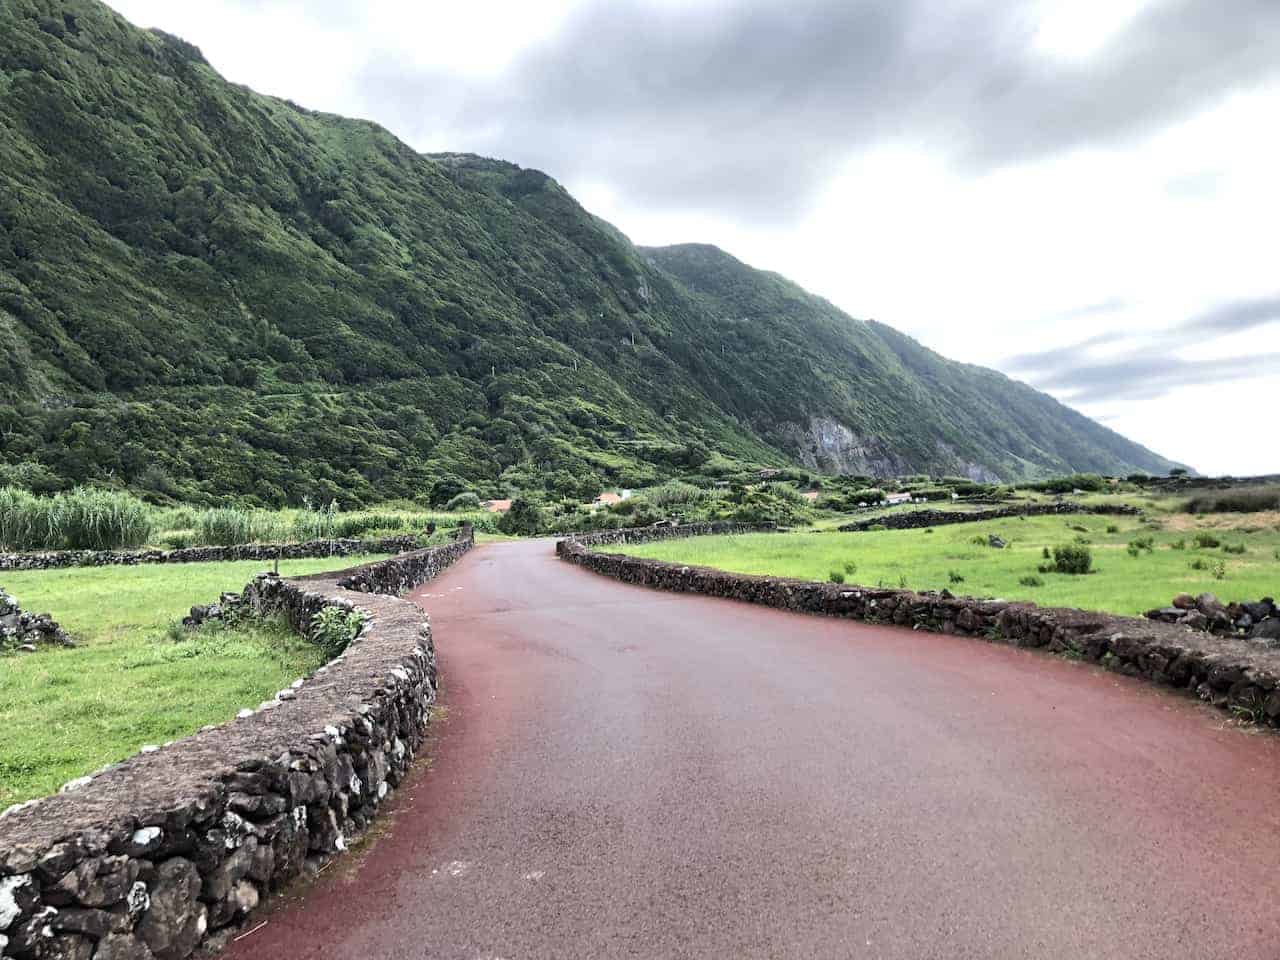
(850,567)
(1244,500)
(675,493)
(463,501)
(1046,554)
(349,526)
(1178,545)
(1238,548)
(1207,541)
(1112,528)
(979,540)
(928,529)
(1199,564)
(333,629)
(1072,559)
(524,519)
(1142,543)
(1031,580)
(835,576)
(954,576)
(178,540)
(1219,570)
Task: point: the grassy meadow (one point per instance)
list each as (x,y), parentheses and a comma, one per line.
(131,681)
(1124,581)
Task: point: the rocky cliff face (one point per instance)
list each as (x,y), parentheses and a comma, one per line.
(827,445)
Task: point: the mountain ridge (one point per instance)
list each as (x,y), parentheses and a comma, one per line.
(206,292)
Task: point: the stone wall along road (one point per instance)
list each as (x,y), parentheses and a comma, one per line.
(172,849)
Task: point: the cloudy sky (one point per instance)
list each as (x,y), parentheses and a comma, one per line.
(1081,193)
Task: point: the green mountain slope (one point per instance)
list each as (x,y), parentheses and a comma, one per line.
(208,292)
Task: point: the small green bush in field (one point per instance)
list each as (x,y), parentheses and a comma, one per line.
(835,576)
(333,629)
(1199,564)
(1219,570)
(1178,545)
(1237,548)
(1046,554)
(954,576)
(1207,541)
(1071,558)
(1112,528)
(850,567)
(1031,580)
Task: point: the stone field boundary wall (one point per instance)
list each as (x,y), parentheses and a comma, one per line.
(245,551)
(1231,674)
(171,849)
(916,519)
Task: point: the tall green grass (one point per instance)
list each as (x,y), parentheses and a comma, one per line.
(80,519)
(228,526)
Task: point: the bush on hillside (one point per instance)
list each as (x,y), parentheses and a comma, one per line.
(524,519)
(1244,500)
(463,501)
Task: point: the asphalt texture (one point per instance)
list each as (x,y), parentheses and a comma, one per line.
(617,772)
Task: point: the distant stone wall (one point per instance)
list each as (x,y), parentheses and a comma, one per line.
(670,531)
(170,850)
(1229,673)
(245,551)
(916,519)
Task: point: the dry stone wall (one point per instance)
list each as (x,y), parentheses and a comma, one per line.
(670,531)
(918,519)
(1232,674)
(170,850)
(246,551)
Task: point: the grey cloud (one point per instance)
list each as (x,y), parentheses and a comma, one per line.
(1234,317)
(1057,356)
(748,109)
(1147,367)
(1145,375)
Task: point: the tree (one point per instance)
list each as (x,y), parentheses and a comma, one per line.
(524,519)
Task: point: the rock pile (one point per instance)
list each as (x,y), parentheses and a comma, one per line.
(1259,621)
(25,632)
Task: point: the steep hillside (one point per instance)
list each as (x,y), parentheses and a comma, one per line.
(204,292)
(857,396)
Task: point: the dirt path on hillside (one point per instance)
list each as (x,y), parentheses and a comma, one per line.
(625,773)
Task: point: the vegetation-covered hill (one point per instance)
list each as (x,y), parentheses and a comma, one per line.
(207,292)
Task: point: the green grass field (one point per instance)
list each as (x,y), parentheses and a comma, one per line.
(68,712)
(1121,583)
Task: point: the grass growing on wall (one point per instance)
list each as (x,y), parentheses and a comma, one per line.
(1124,581)
(68,712)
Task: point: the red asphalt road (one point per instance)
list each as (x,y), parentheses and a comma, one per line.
(626,773)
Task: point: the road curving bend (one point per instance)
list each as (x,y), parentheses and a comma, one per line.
(618,772)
